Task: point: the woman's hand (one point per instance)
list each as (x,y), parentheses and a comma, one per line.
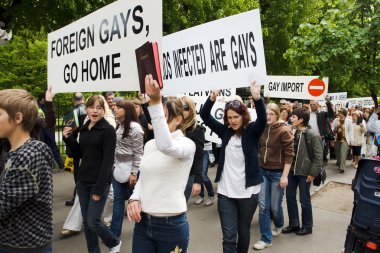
(132,180)
(95,197)
(309,179)
(134,210)
(283,182)
(196,189)
(255,90)
(153,90)
(67,131)
(214,94)
(49,95)
(144,98)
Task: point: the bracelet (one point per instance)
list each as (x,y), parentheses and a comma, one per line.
(132,200)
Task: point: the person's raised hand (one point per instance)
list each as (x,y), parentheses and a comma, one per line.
(214,94)
(153,90)
(49,95)
(255,90)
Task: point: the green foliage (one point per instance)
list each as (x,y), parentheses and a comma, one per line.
(50,14)
(344,46)
(182,14)
(23,63)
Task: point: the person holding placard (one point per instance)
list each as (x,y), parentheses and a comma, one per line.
(238,172)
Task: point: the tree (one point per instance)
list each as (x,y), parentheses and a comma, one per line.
(342,46)
(23,63)
(31,15)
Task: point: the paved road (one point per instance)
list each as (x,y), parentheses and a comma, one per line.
(205,232)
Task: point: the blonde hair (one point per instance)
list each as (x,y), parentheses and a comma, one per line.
(274,108)
(15,101)
(175,108)
(191,121)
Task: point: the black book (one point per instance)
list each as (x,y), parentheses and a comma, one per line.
(147,59)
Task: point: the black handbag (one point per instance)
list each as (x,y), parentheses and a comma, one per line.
(321,177)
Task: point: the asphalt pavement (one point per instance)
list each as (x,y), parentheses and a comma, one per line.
(328,236)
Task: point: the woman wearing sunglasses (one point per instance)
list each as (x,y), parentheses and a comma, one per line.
(238,172)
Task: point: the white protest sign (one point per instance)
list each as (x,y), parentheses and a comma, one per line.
(97,52)
(296,87)
(217,110)
(226,53)
(366,102)
(335,98)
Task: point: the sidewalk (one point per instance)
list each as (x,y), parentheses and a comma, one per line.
(205,233)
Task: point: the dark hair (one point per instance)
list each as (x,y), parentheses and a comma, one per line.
(129,116)
(302,113)
(241,109)
(108,93)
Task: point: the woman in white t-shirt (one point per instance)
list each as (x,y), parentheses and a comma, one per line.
(158,204)
(238,172)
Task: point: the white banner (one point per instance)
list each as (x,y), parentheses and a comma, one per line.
(364,102)
(335,98)
(296,87)
(217,110)
(97,52)
(226,53)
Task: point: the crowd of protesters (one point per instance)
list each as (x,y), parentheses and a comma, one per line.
(149,155)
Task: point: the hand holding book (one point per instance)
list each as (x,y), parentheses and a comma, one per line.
(148,62)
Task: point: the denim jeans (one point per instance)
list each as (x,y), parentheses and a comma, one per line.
(235,218)
(189,187)
(206,180)
(270,202)
(161,234)
(91,213)
(121,192)
(291,200)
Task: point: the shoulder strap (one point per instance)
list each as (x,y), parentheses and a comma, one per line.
(307,147)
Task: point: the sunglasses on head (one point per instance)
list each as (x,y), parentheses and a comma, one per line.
(233,103)
(186,107)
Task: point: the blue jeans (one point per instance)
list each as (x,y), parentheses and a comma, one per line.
(270,202)
(235,218)
(161,234)
(291,201)
(206,180)
(121,192)
(189,187)
(91,213)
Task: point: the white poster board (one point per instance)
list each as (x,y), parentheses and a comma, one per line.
(335,98)
(226,53)
(217,110)
(296,87)
(97,52)
(364,102)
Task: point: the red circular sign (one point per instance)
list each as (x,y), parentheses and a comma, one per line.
(316,87)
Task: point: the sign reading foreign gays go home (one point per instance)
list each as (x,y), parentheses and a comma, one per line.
(296,87)
(226,53)
(97,52)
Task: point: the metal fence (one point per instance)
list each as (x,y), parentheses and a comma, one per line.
(62,107)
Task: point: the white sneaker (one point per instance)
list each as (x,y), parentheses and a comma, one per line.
(115,249)
(276,231)
(199,200)
(261,245)
(209,201)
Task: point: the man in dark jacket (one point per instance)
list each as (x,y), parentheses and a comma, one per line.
(320,122)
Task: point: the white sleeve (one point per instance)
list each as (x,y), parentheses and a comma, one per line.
(180,148)
(136,190)
(373,124)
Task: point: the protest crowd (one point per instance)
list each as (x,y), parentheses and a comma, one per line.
(124,149)
(142,160)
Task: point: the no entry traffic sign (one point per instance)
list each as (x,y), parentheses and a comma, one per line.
(316,87)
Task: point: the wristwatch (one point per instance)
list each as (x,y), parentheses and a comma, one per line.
(134,174)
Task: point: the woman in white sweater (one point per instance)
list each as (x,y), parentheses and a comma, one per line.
(158,204)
